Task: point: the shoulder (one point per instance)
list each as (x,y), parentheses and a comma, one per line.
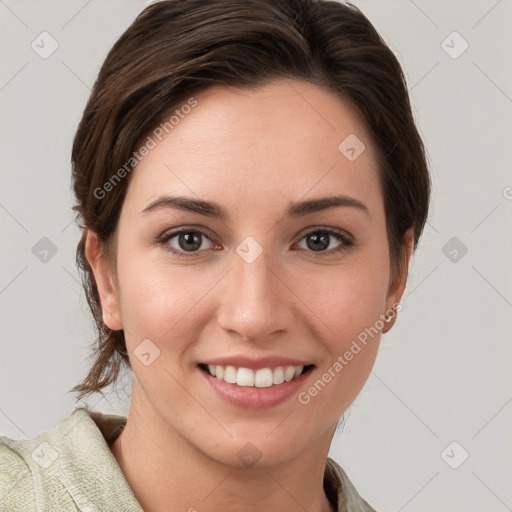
(33,472)
(338,484)
(16,483)
(69,468)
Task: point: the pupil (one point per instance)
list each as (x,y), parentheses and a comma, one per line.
(190,238)
(320,241)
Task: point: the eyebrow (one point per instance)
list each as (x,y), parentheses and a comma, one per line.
(211,209)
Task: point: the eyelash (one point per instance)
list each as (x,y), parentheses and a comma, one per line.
(338,235)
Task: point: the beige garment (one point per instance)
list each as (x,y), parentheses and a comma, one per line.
(71,468)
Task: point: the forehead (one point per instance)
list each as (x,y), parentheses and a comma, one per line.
(280,140)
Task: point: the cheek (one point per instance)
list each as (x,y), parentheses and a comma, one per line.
(163,302)
(348,298)
(159,299)
(350,306)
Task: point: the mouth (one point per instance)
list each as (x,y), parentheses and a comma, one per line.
(269,377)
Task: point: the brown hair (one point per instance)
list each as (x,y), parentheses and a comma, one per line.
(176,48)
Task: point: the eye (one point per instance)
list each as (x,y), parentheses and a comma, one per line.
(186,241)
(189,242)
(324,241)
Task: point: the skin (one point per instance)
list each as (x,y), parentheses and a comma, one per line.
(254,152)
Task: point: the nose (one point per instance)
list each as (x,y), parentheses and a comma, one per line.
(255,301)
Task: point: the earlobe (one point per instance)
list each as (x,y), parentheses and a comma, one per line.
(397,289)
(104,281)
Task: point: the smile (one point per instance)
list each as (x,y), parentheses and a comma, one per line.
(261,378)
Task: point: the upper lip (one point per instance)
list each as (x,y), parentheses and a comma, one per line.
(256,364)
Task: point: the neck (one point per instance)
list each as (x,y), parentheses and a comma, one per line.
(151,453)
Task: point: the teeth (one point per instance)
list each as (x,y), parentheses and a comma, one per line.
(245,377)
(289,373)
(262,378)
(230,374)
(279,375)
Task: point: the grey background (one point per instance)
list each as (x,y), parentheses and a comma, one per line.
(442,374)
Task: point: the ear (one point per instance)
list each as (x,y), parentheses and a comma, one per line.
(397,287)
(105,281)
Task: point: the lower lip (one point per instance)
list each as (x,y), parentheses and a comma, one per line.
(248,397)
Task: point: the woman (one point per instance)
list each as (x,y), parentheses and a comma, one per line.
(250,187)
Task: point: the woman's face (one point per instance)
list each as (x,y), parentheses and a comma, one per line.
(277,280)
